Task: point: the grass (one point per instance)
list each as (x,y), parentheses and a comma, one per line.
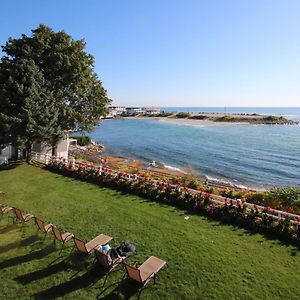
(206,260)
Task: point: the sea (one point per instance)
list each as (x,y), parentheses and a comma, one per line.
(254,156)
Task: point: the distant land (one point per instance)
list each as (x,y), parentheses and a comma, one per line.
(207,117)
(224,118)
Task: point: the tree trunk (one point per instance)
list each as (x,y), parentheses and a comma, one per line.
(28,152)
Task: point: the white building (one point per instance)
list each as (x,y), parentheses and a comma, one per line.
(114,111)
(135,110)
(61,149)
(153,110)
(8,153)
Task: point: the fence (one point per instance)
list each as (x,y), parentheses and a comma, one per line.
(216,199)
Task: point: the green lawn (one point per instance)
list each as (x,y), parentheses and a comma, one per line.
(205,259)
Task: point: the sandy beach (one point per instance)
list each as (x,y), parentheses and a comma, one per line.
(191,122)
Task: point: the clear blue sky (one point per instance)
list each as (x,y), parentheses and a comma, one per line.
(179,53)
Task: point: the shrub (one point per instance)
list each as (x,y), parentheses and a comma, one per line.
(182,115)
(262,219)
(198,117)
(82,140)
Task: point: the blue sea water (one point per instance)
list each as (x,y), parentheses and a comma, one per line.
(249,155)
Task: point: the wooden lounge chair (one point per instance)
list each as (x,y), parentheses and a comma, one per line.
(62,236)
(88,247)
(148,270)
(42,227)
(107,263)
(5,209)
(22,217)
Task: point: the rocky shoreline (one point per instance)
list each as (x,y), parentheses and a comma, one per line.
(91,153)
(94,153)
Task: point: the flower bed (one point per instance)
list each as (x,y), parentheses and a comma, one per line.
(235,211)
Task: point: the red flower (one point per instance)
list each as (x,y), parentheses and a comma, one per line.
(256,208)
(290,209)
(297,218)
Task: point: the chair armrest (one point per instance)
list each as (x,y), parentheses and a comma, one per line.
(136,264)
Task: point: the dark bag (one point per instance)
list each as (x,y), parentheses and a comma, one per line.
(125,249)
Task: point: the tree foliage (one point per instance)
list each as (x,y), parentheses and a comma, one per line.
(47,86)
(27,109)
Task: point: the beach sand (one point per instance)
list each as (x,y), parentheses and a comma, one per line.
(192,122)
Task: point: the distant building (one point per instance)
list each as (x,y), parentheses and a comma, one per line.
(153,110)
(135,110)
(114,111)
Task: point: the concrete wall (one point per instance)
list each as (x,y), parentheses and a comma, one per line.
(8,152)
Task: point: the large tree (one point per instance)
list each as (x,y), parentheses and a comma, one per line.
(68,78)
(27,109)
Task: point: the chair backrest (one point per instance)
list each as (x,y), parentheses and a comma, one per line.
(40,224)
(57,233)
(80,245)
(133,273)
(19,214)
(103,259)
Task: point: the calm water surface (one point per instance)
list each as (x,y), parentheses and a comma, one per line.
(250,155)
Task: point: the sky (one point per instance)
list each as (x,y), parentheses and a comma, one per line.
(179,53)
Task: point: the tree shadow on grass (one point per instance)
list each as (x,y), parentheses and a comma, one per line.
(17,244)
(50,270)
(86,280)
(125,290)
(10,166)
(39,254)
(8,228)
(266,236)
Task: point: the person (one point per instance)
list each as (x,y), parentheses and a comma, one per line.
(124,250)
(105,248)
(206,181)
(152,164)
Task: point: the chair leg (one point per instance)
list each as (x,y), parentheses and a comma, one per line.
(72,249)
(45,235)
(62,247)
(105,280)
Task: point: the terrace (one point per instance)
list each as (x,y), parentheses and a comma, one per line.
(206,259)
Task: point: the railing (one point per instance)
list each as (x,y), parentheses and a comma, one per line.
(215,199)
(42,158)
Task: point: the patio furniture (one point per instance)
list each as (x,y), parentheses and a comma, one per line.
(5,209)
(42,226)
(106,262)
(62,236)
(88,247)
(22,216)
(145,272)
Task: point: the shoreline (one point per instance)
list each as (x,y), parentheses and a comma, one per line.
(160,171)
(189,121)
(216,119)
(197,122)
